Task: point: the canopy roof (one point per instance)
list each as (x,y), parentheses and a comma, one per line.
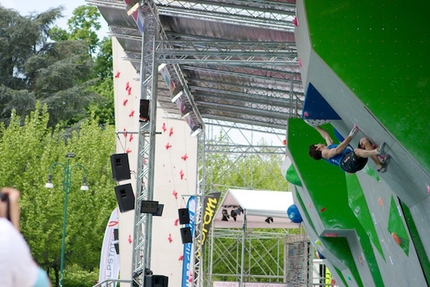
(237,60)
(258,205)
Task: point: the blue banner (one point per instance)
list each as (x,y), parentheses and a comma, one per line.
(187,270)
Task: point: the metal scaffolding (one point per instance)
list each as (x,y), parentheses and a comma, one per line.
(239,73)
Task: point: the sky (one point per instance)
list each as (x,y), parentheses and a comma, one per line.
(26,7)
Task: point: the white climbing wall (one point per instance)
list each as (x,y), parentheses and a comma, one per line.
(175,173)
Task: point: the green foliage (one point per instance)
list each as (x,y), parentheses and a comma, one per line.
(67,74)
(104,62)
(75,276)
(28,150)
(84,25)
(105,110)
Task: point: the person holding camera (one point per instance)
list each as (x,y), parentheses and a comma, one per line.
(17,266)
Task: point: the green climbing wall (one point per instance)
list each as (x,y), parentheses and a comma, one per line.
(326,185)
(379,49)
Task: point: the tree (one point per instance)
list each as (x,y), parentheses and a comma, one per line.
(83,26)
(56,73)
(42,209)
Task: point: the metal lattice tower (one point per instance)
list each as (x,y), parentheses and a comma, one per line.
(214,101)
(141,257)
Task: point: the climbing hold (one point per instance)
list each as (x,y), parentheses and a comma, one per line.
(396,238)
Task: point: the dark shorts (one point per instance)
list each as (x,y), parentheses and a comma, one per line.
(351,163)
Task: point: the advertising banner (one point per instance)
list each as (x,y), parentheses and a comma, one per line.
(109,259)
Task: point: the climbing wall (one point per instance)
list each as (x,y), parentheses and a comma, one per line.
(354,220)
(175,174)
(370,69)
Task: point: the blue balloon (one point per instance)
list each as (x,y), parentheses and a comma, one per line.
(294,214)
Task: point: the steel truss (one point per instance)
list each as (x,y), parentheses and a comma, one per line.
(254,63)
(141,257)
(221,138)
(247,256)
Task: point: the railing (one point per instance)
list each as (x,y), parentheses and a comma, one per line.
(111,283)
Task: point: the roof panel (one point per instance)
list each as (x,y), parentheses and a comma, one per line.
(238,58)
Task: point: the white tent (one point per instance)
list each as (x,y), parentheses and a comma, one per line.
(258,205)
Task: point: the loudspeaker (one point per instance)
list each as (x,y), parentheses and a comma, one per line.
(160,281)
(155,281)
(120,166)
(125,197)
(186,235)
(184,216)
(144,110)
(160,209)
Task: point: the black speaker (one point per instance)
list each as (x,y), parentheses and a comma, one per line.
(144,110)
(160,281)
(120,166)
(184,216)
(160,209)
(125,197)
(186,235)
(155,281)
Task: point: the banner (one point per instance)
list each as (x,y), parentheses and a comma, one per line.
(210,206)
(187,270)
(109,259)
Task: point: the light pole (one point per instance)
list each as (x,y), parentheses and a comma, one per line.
(67,169)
